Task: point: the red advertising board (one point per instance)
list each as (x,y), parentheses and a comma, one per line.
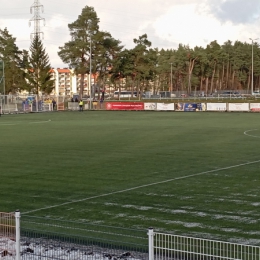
(125,106)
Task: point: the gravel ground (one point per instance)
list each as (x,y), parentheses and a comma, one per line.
(50,249)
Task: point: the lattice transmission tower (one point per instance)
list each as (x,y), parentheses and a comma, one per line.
(36,9)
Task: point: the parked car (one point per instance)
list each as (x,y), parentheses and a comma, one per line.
(231,94)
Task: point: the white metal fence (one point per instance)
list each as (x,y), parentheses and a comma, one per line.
(167,246)
(30,103)
(73,106)
(8,105)
(52,241)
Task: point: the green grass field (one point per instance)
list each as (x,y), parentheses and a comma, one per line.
(194,174)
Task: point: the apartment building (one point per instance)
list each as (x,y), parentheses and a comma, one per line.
(68,83)
(63,79)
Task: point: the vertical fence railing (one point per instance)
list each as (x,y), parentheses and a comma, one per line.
(17,235)
(150,243)
(58,239)
(167,246)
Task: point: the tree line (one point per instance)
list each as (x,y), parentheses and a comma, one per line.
(142,68)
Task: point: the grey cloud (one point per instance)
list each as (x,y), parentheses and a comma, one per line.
(236,11)
(158,42)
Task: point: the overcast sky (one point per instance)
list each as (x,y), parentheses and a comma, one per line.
(166,22)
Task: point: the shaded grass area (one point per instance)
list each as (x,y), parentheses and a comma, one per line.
(77,156)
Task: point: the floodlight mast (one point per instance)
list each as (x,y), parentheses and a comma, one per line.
(252,70)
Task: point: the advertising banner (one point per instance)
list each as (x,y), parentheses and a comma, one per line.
(149,106)
(216,106)
(165,106)
(255,107)
(125,106)
(179,107)
(238,107)
(190,107)
(201,107)
(186,107)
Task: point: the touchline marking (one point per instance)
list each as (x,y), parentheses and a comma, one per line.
(40,122)
(246,133)
(8,124)
(141,186)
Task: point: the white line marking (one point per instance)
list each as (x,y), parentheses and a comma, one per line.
(40,122)
(8,124)
(246,133)
(141,186)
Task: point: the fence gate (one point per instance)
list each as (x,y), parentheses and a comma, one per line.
(60,103)
(166,246)
(9,235)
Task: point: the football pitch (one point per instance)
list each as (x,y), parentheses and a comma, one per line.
(194,174)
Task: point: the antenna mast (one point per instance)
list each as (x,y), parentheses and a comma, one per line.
(36,9)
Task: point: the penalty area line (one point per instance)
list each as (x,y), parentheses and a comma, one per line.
(141,186)
(40,122)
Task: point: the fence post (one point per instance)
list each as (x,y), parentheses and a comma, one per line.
(150,241)
(17,234)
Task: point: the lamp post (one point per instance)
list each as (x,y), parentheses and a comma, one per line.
(252,70)
(90,72)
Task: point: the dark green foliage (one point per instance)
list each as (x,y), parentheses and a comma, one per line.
(39,70)
(11,55)
(87,41)
(76,52)
(137,65)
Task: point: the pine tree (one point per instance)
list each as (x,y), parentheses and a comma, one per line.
(39,72)
(14,76)
(77,52)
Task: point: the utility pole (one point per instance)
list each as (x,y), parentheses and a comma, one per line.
(36,9)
